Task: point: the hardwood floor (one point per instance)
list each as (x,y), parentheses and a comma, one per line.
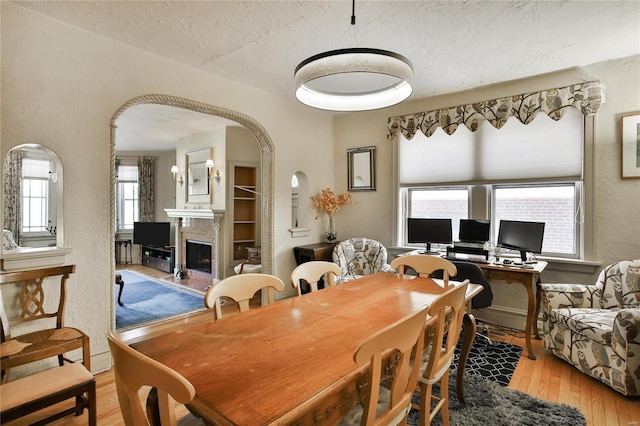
(548,378)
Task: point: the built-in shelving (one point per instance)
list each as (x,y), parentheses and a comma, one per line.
(244,210)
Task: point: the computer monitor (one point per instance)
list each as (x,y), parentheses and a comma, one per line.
(428,231)
(522,236)
(474,231)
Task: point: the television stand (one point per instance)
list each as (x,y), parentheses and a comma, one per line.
(160,258)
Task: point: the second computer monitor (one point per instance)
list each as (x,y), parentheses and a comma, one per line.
(474,230)
(428,231)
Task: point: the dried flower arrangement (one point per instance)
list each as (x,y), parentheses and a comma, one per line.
(329,202)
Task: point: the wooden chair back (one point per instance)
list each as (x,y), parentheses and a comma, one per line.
(312,272)
(241,288)
(134,372)
(407,338)
(425,265)
(33,307)
(448,310)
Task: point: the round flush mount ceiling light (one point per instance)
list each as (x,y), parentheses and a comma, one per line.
(357,79)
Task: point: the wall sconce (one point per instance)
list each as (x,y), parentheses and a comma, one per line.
(175,171)
(210,166)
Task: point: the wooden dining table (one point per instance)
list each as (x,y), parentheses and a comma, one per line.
(290,362)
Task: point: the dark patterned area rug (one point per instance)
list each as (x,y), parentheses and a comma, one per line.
(146,300)
(489,402)
(495,361)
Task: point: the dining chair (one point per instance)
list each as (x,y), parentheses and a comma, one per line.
(472,272)
(39,308)
(312,272)
(442,338)
(389,404)
(241,288)
(425,265)
(135,374)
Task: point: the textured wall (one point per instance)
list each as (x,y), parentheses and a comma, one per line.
(60,88)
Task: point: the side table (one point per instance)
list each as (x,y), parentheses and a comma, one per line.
(128,259)
(320,251)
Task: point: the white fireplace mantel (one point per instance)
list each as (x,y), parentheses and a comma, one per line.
(195,213)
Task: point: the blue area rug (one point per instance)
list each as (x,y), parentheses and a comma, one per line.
(147,300)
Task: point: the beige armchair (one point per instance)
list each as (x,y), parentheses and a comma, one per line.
(360,256)
(595,327)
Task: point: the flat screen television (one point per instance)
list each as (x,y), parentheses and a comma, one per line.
(428,231)
(152,233)
(522,236)
(474,230)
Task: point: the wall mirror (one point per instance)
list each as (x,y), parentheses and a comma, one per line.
(197,171)
(32,198)
(361,168)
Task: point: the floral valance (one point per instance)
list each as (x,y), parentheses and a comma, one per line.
(587,97)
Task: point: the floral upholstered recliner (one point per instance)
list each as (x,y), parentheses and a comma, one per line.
(360,256)
(597,327)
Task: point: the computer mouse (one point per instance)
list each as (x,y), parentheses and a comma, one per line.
(506,262)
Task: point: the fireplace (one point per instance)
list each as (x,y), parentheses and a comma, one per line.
(198,256)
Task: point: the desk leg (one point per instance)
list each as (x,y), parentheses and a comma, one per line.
(531,318)
(468,334)
(537,314)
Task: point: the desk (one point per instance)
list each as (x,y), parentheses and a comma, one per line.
(528,278)
(254,369)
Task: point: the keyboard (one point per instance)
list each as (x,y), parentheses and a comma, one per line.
(453,258)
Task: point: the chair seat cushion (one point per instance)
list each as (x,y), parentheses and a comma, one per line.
(595,324)
(42,384)
(354,416)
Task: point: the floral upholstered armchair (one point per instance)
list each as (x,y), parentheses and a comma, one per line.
(358,257)
(597,327)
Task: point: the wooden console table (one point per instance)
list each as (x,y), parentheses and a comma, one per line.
(320,251)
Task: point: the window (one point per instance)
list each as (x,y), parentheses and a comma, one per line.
(555,205)
(520,172)
(127,196)
(440,203)
(35,195)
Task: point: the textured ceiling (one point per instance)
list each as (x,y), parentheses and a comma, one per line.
(453,45)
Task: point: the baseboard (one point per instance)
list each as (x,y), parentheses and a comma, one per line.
(503,316)
(101,362)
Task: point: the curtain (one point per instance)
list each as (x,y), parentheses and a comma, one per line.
(12,178)
(145,188)
(586,97)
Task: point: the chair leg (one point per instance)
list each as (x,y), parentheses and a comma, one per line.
(444,398)
(425,404)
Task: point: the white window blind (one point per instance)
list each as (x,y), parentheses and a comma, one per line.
(542,150)
(127,173)
(35,168)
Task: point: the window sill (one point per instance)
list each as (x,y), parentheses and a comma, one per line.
(33,257)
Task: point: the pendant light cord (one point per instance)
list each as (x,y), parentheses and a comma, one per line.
(353,12)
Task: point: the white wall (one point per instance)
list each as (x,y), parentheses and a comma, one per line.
(61,86)
(615,202)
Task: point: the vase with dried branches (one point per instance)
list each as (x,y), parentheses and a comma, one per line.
(329,203)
